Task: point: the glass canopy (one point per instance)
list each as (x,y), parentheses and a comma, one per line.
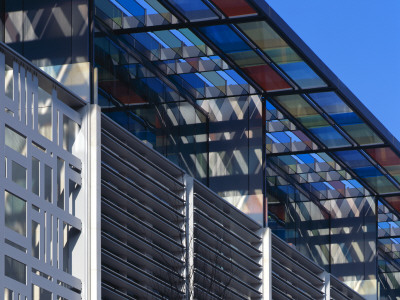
(329,169)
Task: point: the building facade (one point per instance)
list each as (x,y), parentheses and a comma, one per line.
(243,131)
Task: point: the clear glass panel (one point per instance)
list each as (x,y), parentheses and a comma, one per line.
(14,269)
(35,176)
(9,83)
(39,293)
(363,134)
(19,174)
(35,239)
(71,130)
(15,213)
(353,242)
(45,104)
(48,183)
(15,141)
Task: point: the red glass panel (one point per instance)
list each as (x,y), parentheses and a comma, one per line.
(121,91)
(267,78)
(278,210)
(384,156)
(233,8)
(394,202)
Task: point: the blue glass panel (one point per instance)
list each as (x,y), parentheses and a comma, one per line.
(235,76)
(156,85)
(306,158)
(134,8)
(319,186)
(329,136)
(148,42)
(347,119)
(225,38)
(303,75)
(193,81)
(353,158)
(336,108)
(369,171)
(194,9)
(281,137)
(330,102)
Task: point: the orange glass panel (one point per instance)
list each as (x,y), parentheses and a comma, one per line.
(266,78)
(233,8)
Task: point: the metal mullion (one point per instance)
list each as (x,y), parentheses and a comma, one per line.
(189,24)
(299,91)
(213,8)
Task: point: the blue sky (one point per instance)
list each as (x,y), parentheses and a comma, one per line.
(360,42)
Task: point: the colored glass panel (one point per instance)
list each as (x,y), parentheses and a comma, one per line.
(133,8)
(280,53)
(266,77)
(365,170)
(169,39)
(343,115)
(192,38)
(363,134)
(194,10)
(394,202)
(191,80)
(330,136)
(298,107)
(216,79)
(233,45)
(225,38)
(388,159)
(303,75)
(234,8)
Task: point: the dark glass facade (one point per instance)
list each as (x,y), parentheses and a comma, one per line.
(229,92)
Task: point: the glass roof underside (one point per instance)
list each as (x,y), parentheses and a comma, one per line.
(317,132)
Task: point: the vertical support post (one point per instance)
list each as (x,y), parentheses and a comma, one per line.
(189,238)
(267,263)
(327,285)
(92,118)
